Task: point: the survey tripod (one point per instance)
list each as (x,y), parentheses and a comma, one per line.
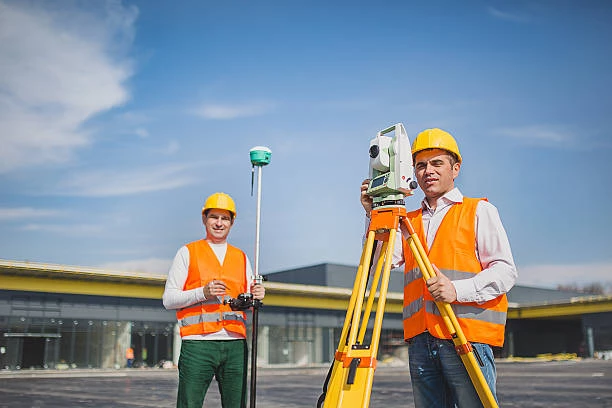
(349,381)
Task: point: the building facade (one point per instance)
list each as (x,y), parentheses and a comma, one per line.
(54,316)
(48,330)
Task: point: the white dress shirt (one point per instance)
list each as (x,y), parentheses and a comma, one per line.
(176,298)
(492,249)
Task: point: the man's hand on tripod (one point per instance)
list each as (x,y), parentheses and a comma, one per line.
(366,200)
(441,288)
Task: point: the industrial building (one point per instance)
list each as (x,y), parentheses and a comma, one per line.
(58,316)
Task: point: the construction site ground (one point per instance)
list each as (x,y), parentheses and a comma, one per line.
(524,383)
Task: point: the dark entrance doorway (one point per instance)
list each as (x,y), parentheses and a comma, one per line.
(33,352)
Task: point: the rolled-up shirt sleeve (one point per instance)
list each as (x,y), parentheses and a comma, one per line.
(493,250)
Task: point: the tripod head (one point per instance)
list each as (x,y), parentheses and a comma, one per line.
(244,301)
(391,170)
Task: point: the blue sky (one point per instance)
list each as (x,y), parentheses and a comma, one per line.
(118,119)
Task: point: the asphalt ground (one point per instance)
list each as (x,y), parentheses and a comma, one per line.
(574,383)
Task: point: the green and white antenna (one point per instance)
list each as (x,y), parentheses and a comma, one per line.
(260,155)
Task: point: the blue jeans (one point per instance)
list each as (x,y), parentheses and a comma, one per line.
(439,378)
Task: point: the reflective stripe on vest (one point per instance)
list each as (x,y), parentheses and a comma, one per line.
(460,310)
(211,317)
(454,253)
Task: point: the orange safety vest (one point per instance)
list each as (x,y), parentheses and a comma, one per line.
(453,251)
(212,315)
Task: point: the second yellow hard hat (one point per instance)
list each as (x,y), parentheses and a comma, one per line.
(221,201)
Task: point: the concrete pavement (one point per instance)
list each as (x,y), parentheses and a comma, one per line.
(577,383)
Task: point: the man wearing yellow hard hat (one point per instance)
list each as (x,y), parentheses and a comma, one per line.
(469,249)
(205,275)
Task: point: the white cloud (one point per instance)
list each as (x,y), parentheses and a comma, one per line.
(57,71)
(551,275)
(141,133)
(132,118)
(67,229)
(151,265)
(509,16)
(113,182)
(171,148)
(538,134)
(21,213)
(220,111)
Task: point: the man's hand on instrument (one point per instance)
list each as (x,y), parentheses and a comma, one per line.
(366,200)
(214,288)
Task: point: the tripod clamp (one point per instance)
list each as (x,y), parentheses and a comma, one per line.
(244,301)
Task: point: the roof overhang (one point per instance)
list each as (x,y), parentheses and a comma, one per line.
(54,278)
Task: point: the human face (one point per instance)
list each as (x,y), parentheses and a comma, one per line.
(218,223)
(435,173)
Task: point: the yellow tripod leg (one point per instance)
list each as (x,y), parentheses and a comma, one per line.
(463,347)
(373,289)
(354,365)
(333,394)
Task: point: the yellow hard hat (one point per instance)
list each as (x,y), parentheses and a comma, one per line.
(435,139)
(221,201)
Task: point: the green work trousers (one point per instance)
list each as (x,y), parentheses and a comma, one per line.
(200,360)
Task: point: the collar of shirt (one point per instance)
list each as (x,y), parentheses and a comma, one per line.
(432,218)
(451,197)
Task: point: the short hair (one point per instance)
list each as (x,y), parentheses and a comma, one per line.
(453,157)
(206,211)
